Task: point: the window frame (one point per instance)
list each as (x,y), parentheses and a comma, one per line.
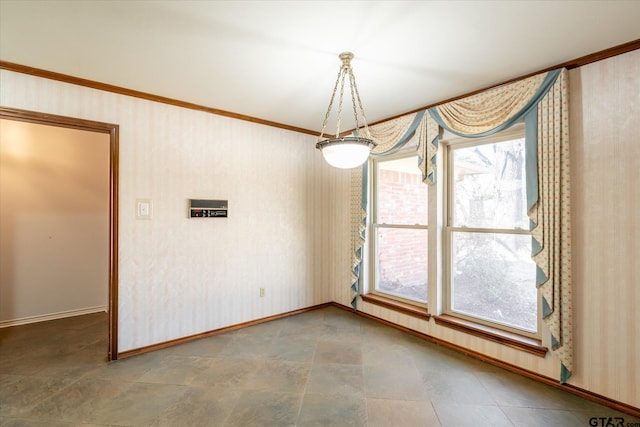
(448,145)
(374,162)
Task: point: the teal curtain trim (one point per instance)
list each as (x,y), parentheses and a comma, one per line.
(435,143)
(356,271)
(540,276)
(431,177)
(365,184)
(547,83)
(531,173)
(546,308)
(356,286)
(531,156)
(564,373)
(536,247)
(554,342)
(411,130)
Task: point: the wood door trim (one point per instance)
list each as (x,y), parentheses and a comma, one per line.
(113,131)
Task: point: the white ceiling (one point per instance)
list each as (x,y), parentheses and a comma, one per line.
(277,60)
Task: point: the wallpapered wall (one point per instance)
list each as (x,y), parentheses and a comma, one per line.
(179,276)
(604,127)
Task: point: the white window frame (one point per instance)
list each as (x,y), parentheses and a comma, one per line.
(374,226)
(515,132)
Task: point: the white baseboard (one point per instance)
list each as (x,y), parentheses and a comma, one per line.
(51,316)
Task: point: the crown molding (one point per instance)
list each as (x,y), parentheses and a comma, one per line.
(574,63)
(38,72)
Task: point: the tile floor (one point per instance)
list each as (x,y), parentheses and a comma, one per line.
(326,367)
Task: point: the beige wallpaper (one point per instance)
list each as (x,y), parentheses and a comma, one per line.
(54,220)
(180,276)
(605,129)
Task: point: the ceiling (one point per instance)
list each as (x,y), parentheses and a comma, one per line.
(278,60)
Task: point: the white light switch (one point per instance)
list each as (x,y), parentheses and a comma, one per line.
(143,208)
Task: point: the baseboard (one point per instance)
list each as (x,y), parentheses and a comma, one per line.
(51,316)
(569,388)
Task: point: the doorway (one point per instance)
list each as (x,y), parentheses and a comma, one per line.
(112,131)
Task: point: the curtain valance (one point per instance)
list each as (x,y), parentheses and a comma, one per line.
(394,134)
(494,109)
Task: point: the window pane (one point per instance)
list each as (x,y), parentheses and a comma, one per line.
(489,186)
(401,194)
(493,277)
(401,267)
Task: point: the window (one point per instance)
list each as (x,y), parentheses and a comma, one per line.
(399,228)
(490,276)
(482,252)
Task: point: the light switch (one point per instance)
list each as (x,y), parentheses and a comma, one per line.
(143,208)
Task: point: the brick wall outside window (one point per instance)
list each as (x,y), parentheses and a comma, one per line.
(402,256)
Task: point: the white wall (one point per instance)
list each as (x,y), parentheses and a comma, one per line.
(179,276)
(54,220)
(605,149)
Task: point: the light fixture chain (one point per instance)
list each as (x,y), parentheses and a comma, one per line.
(343,70)
(364,118)
(352,83)
(326,117)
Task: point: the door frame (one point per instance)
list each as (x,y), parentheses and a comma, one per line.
(113,131)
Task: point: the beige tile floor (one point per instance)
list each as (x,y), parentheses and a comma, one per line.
(326,367)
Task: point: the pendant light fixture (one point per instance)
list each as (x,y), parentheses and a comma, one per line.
(347,151)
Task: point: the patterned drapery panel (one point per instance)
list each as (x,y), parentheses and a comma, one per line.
(551,218)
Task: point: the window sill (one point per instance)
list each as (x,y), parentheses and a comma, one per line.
(402,307)
(509,339)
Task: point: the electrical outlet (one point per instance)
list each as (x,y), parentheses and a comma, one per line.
(261,292)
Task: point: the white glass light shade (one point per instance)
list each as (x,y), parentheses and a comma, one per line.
(347,152)
(345,156)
